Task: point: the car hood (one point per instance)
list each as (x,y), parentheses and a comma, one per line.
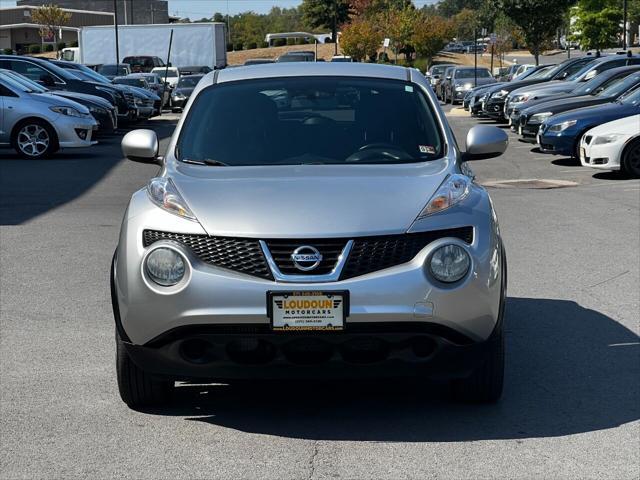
(144,93)
(624,126)
(309,201)
(58,101)
(546,88)
(596,114)
(83,97)
(511,86)
(565,104)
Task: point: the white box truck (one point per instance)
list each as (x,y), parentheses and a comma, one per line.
(194,44)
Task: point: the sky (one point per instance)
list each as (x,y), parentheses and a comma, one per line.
(195,9)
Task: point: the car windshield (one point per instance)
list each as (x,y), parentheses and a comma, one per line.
(540,73)
(15,84)
(568,70)
(29,84)
(93,75)
(113,70)
(468,73)
(593,84)
(438,70)
(310,120)
(624,84)
(189,82)
(631,98)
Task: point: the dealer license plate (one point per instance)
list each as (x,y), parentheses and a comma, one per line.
(307,311)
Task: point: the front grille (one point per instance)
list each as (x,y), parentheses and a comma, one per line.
(129,98)
(239,254)
(330,249)
(376,253)
(368,254)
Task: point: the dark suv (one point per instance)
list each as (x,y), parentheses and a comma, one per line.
(55,78)
(143,63)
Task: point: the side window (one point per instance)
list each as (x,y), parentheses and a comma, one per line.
(5,92)
(613,64)
(634,61)
(32,71)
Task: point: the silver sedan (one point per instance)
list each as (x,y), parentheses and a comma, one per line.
(37,125)
(310,220)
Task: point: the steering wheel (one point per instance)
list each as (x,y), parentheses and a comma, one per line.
(377,150)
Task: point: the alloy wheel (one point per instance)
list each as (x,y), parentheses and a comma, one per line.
(33,140)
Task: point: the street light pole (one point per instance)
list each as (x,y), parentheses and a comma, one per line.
(115,21)
(624,24)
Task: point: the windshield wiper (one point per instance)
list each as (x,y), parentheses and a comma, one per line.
(206,161)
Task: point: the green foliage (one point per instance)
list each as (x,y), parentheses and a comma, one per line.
(62,45)
(432,33)
(361,39)
(291,41)
(238,46)
(326,14)
(50,18)
(597,24)
(48,48)
(538,20)
(7,51)
(35,48)
(252,46)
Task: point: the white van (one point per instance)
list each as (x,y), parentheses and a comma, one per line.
(71,54)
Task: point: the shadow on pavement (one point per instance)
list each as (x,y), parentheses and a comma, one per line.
(569,370)
(612,175)
(566,162)
(29,188)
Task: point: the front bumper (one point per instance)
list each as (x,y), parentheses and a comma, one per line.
(494,108)
(563,143)
(67,129)
(604,157)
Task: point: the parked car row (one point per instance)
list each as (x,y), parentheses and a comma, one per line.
(587,108)
(50,104)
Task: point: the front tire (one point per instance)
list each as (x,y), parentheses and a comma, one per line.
(34,139)
(630,163)
(138,388)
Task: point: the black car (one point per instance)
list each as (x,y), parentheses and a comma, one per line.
(55,78)
(494,104)
(183,91)
(533,117)
(102,110)
(88,75)
(143,63)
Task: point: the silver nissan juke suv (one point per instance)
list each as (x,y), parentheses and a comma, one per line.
(310,220)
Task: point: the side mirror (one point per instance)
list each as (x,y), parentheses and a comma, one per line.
(141,146)
(484,141)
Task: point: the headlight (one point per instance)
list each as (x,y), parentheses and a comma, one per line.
(561,127)
(520,98)
(165,266)
(139,101)
(453,190)
(500,94)
(69,111)
(97,110)
(605,139)
(164,194)
(449,263)
(468,86)
(459,88)
(540,117)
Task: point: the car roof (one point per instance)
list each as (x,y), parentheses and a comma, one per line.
(274,70)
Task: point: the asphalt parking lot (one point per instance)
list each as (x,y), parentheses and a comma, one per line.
(571,405)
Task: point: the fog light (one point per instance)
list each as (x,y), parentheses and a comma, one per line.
(449,263)
(165,266)
(82,133)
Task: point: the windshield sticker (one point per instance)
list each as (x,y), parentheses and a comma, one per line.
(408,88)
(427,149)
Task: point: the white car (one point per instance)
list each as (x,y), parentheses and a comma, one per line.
(613,146)
(172,74)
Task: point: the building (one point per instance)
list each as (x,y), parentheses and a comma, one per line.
(18,31)
(129,11)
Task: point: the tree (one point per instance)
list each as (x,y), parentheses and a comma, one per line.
(538,20)
(50,18)
(361,39)
(465,24)
(399,26)
(597,24)
(432,33)
(326,14)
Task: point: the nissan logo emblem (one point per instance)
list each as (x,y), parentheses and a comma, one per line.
(306,258)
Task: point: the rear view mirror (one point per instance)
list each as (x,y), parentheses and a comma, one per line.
(484,141)
(141,146)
